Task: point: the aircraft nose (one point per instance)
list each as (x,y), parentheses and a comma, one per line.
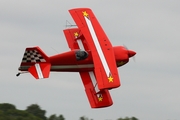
(131,53)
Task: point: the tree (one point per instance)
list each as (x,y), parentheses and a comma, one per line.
(61,117)
(9,112)
(83,118)
(7,106)
(127,118)
(54,117)
(36,111)
(133,118)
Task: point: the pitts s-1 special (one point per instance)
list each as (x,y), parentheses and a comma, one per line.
(91,54)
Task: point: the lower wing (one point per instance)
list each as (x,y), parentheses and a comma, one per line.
(97,98)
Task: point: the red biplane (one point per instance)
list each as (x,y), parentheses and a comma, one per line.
(91,54)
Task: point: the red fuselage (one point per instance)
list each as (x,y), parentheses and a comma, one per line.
(67,62)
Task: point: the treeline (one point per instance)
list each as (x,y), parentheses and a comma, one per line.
(34,112)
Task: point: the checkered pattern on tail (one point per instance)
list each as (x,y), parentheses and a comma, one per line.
(32,56)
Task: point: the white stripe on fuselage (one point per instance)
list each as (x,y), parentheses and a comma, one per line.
(97,45)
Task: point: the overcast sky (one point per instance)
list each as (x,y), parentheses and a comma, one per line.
(150,85)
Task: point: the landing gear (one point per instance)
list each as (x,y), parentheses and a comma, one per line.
(18,74)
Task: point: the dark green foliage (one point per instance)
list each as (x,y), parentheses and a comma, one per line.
(9,112)
(54,117)
(133,118)
(36,111)
(7,106)
(127,118)
(83,118)
(61,117)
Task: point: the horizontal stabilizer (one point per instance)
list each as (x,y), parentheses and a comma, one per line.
(40,70)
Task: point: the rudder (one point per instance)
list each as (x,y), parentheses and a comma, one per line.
(36,62)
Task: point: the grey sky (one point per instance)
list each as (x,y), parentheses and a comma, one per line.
(150,86)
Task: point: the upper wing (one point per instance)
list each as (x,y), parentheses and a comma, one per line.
(100,46)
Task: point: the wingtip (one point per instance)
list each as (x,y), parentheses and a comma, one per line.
(75,9)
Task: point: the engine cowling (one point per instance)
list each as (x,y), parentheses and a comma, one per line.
(122,55)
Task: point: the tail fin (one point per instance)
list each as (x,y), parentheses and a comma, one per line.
(40,70)
(34,55)
(36,62)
